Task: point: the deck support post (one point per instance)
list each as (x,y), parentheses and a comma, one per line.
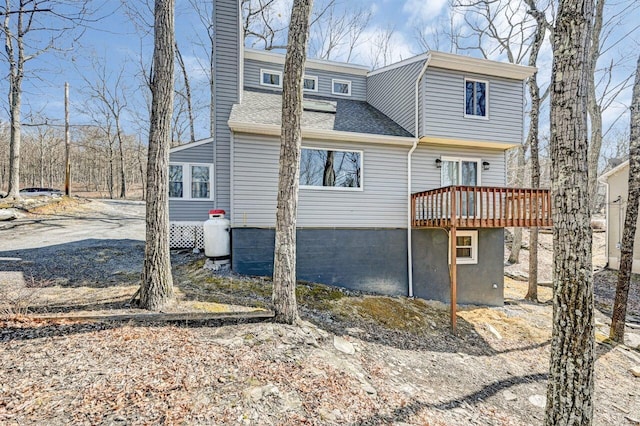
(454,279)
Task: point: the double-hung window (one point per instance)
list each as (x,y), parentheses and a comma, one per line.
(190,181)
(476,99)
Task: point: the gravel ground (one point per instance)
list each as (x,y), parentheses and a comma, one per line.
(99,244)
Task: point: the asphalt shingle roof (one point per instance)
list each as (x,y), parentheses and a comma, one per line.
(265,107)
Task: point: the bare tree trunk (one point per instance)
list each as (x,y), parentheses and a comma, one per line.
(533,138)
(284,267)
(631,219)
(110,181)
(123,177)
(594,109)
(570,386)
(15,98)
(187,90)
(329,175)
(516,243)
(157,282)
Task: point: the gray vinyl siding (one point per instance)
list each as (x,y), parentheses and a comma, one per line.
(198,154)
(443,115)
(381,204)
(191,210)
(226,74)
(393,93)
(425,174)
(358,82)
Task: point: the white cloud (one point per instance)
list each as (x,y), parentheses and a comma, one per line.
(426,10)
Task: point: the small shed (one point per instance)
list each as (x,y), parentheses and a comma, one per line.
(616,181)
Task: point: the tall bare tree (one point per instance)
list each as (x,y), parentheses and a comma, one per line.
(608,82)
(533,138)
(109,92)
(570,387)
(157,282)
(337,33)
(631,218)
(284,267)
(23,22)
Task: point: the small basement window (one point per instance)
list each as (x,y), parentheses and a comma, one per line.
(466,247)
(190,181)
(310,84)
(341,87)
(271,78)
(475,104)
(330,169)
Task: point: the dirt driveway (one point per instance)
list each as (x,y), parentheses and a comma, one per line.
(98,244)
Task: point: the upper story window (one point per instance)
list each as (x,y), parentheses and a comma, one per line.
(341,87)
(190,181)
(334,169)
(310,83)
(271,78)
(475,98)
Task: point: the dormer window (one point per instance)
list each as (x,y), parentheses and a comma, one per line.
(271,78)
(341,87)
(475,98)
(310,83)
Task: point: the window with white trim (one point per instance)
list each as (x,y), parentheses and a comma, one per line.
(190,181)
(341,87)
(310,83)
(271,78)
(466,247)
(330,169)
(476,98)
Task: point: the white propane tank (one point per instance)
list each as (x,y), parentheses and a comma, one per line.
(217,237)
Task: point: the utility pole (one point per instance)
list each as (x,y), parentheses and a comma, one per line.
(67,142)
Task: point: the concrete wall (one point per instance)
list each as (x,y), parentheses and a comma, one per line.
(375,260)
(619,187)
(359,259)
(475,282)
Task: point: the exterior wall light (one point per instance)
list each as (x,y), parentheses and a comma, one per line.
(485,165)
(438,163)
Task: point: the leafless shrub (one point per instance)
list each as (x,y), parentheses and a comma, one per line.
(16,300)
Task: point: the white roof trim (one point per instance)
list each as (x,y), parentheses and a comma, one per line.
(278,58)
(464,63)
(440,140)
(190,145)
(605,176)
(311,133)
(418,58)
(451,61)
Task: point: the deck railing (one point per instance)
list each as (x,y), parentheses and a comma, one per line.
(481,207)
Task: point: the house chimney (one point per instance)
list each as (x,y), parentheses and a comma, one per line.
(228,70)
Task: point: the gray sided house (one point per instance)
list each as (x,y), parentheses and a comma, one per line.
(402,172)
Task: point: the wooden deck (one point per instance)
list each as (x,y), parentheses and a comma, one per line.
(481,207)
